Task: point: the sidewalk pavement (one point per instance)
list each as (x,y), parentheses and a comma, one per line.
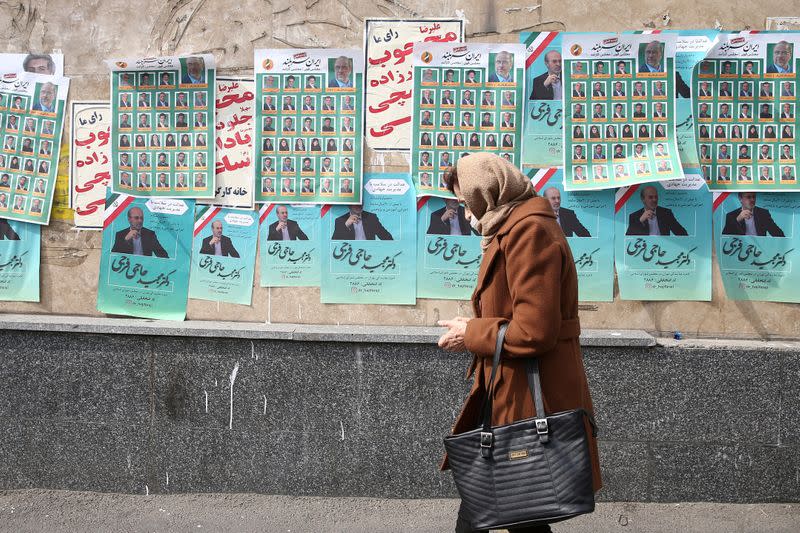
(66,511)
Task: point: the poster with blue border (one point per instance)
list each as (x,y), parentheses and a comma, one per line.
(290,245)
(587,219)
(756,235)
(369,251)
(448,250)
(145,257)
(20,245)
(662,245)
(223,255)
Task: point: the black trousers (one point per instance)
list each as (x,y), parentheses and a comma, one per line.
(462,526)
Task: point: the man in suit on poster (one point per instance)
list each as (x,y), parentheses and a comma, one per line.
(566,218)
(136,239)
(7,232)
(652,219)
(547,86)
(750,220)
(285,229)
(359,225)
(450,220)
(217,243)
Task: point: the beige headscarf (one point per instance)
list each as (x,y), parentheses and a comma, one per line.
(492,187)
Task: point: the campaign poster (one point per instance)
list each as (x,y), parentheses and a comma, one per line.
(691,47)
(467,98)
(662,246)
(369,250)
(388,44)
(20,244)
(32,108)
(756,237)
(223,255)
(145,257)
(162,130)
(235,109)
(90,162)
(619,110)
(289,245)
(309,125)
(745,103)
(587,220)
(542,138)
(448,250)
(36,63)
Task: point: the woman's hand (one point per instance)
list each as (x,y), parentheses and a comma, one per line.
(453,340)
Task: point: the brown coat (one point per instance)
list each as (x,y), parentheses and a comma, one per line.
(528,279)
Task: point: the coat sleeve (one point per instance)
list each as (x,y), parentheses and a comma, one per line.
(533,264)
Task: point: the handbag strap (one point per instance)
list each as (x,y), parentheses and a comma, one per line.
(535,384)
(486,433)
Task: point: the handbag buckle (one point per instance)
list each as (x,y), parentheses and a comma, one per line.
(486,439)
(541,426)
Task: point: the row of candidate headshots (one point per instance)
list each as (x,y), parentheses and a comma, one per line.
(163,161)
(450,98)
(446,159)
(44,100)
(621,111)
(548,85)
(162,121)
(22,184)
(619,90)
(780,60)
(163,100)
(339,76)
(620,171)
(743,111)
(613,132)
(726,90)
(600,151)
(30,126)
(752,132)
(744,174)
(162,140)
(192,72)
(325,165)
(747,151)
(308,186)
(22,204)
(305,145)
(163,181)
(444,140)
(25,164)
(309,125)
(309,104)
(485,120)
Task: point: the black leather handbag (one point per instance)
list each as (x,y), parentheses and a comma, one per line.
(533,471)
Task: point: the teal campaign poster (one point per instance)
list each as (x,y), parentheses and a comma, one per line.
(542,137)
(369,251)
(448,250)
(145,257)
(662,246)
(223,255)
(290,245)
(756,236)
(587,219)
(19,261)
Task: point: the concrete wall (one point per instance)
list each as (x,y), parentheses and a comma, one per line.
(90,31)
(126,406)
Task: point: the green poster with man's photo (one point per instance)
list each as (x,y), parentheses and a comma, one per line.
(32,109)
(619,110)
(223,255)
(745,104)
(20,244)
(309,122)
(542,137)
(467,98)
(163,126)
(369,251)
(145,257)
(289,245)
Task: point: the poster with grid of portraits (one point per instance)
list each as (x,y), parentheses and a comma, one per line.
(309,125)
(619,110)
(32,108)
(162,111)
(745,94)
(467,98)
